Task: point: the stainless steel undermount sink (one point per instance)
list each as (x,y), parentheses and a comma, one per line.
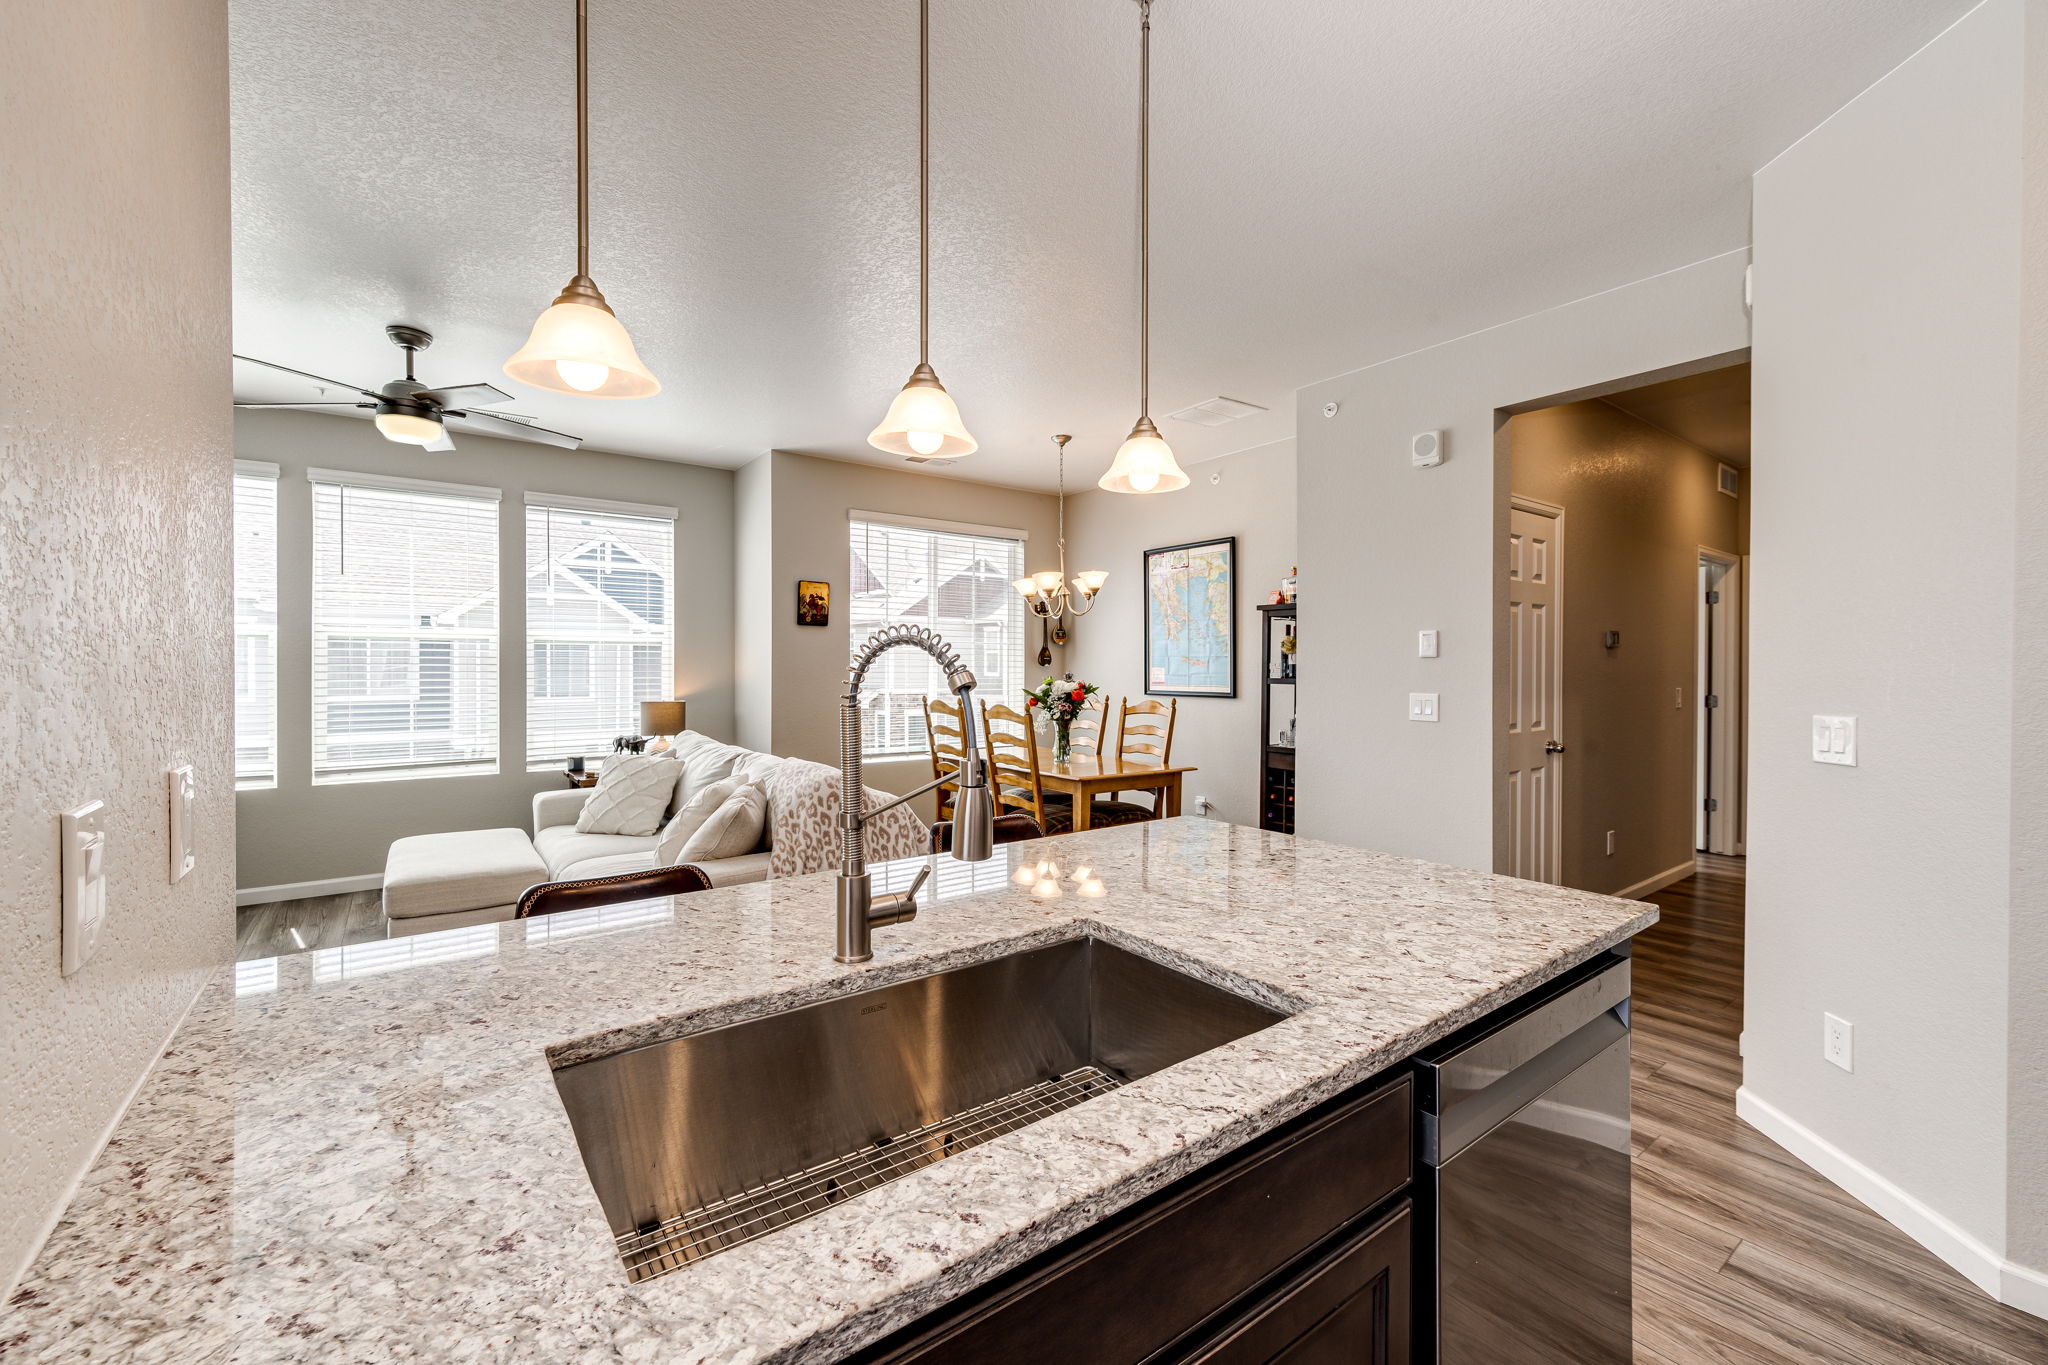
(709,1140)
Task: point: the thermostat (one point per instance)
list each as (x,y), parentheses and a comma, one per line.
(1426,448)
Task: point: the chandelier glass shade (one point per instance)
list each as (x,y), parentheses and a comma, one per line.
(1045,592)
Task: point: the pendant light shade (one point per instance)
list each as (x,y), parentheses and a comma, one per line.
(923,419)
(408,428)
(577,346)
(1144,462)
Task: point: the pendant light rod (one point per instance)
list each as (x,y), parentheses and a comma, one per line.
(1061,442)
(1144,208)
(582,138)
(924,182)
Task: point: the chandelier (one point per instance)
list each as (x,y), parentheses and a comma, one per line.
(1046,592)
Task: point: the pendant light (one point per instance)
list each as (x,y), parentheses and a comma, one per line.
(1046,593)
(923,419)
(578,346)
(1144,462)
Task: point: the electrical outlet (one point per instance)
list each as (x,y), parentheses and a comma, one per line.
(1610,843)
(1838,1043)
(1425,644)
(1201,805)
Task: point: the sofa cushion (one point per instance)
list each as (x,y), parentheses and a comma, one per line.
(704,764)
(690,817)
(631,797)
(733,828)
(562,846)
(436,874)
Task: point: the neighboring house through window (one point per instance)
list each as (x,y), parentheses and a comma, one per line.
(255,538)
(951,577)
(600,613)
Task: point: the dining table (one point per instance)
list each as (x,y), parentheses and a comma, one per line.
(1087,776)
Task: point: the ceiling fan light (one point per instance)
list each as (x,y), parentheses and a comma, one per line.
(582,350)
(923,420)
(1144,464)
(408,428)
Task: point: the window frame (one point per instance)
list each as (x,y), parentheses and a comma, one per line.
(257,474)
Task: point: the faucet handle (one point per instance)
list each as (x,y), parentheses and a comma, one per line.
(898,907)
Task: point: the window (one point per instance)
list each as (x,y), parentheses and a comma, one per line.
(600,612)
(405,628)
(954,579)
(255,624)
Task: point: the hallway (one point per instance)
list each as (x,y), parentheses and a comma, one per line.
(1742,1253)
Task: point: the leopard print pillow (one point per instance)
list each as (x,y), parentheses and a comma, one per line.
(803,820)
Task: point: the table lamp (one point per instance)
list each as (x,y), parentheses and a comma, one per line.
(662,718)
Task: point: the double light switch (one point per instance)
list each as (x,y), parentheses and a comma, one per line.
(1834,740)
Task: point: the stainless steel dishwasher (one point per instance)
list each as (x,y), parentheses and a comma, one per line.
(1523,1182)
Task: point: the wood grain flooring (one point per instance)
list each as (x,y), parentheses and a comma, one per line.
(1742,1252)
(280,927)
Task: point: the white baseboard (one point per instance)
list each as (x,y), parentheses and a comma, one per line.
(296,891)
(2011,1284)
(1650,885)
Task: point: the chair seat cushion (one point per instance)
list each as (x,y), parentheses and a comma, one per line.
(436,874)
(1119,813)
(1059,819)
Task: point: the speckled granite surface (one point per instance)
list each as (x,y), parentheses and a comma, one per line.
(359,1155)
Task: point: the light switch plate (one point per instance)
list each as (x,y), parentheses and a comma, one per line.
(1834,740)
(1425,644)
(182,860)
(1422,706)
(84,835)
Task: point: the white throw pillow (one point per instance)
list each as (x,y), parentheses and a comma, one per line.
(704,764)
(631,796)
(688,820)
(734,828)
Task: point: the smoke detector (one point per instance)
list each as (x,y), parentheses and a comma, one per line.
(1214,412)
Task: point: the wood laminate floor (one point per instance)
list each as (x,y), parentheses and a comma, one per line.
(1742,1252)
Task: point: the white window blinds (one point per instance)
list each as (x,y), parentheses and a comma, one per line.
(957,582)
(600,623)
(405,628)
(255,624)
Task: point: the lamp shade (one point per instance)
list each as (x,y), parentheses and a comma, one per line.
(408,428)
(923,420)
(662,718)
(1144,464)
(579,348)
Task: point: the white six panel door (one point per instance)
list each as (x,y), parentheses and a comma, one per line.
(1535,678)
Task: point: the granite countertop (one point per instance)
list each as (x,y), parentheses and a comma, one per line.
(359,1155)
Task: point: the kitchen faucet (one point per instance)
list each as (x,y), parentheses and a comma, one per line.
(860,910)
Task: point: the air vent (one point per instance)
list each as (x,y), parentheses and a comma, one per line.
(940,461)
(1728,481)
(1214,412)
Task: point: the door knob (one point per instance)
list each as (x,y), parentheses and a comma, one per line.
(1553,747)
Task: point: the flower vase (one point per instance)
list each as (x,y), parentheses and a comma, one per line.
(1062,739)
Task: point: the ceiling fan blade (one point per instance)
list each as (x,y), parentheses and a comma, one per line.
(442,442)
(303,405)
(520,430)
(465,396)
(316,378)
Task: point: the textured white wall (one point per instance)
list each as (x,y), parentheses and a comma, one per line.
(1886,373)
(1409,549)
(114,527)
(1254,501)
(299,832)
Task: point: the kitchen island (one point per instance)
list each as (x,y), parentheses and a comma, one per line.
(361,1154)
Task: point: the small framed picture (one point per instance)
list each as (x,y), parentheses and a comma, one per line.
(813,603)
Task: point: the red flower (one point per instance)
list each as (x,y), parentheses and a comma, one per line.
(1031,701)
(1079,695)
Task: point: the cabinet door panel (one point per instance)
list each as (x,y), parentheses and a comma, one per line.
(1349,1307)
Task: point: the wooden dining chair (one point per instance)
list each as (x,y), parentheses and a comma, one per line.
(1086,734)
(1009,829)
(1144,738)
(1013,778)
(945,735)
(551,898)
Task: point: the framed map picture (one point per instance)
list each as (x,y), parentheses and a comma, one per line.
(1191,619)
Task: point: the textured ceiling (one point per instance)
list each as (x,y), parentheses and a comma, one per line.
(1708,410)
(1335,181)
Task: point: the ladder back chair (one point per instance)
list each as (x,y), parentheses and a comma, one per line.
(1144,737)
(1012,750)
(945,734)
(1086,734)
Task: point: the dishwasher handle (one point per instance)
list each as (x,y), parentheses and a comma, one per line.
(1478,1113)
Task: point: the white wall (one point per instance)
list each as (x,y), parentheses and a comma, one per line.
(298,832)
(1405,549)
(1887,350)
(1249,495)
(802,502)
(114,519)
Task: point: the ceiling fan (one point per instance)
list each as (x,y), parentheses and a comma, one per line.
(411,413)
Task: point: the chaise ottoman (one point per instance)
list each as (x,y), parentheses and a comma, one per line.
(447,881)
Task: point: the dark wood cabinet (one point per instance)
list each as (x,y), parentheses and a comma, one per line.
(1295,1245)
(1276,716)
